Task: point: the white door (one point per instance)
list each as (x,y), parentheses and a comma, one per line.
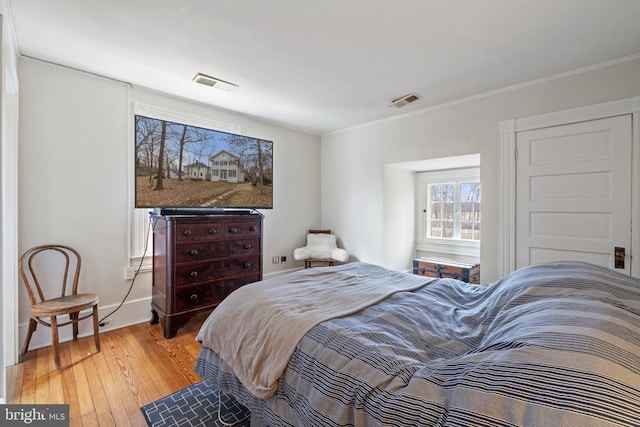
(573,193)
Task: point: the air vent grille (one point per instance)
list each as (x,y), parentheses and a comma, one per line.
(404,100)
(203,79)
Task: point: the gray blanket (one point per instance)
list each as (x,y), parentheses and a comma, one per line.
(256,329)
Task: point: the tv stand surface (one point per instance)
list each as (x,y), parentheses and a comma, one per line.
(202,212)
(200,259)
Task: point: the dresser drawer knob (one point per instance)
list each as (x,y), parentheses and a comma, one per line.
(194,297)
(248,246)
(233,230)
(252,228)
(187,232)
(212,231)
(194,274)
(194,252)
(247,265)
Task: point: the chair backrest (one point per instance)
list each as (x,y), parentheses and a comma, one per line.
(39,264)
(320,231)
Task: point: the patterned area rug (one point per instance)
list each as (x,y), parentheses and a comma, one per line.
(196,405)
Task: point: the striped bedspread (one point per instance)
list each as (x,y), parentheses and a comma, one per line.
(552,345)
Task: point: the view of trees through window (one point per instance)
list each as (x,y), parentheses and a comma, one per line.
(182,165)
(454,210)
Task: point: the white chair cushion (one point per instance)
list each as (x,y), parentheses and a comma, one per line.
(340,255)
(321,245)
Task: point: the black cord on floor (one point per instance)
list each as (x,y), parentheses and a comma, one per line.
(133,279)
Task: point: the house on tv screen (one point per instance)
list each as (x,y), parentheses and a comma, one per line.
(226,167)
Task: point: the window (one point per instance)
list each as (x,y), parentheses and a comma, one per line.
(453,210)
(140,230)
(449,211)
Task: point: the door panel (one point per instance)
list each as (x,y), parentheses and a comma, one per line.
(574,192)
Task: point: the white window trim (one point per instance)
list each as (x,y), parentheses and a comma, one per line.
(467,248)
(140,233)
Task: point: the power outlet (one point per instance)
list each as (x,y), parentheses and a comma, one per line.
(129,273)
(283,258)
(275,260)
(105,324)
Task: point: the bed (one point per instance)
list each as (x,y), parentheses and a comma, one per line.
(549,345)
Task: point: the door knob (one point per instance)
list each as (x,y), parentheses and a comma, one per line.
(618,257)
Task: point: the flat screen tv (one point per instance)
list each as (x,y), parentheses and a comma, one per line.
(183,168)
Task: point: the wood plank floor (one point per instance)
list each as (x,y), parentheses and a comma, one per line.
(136,366)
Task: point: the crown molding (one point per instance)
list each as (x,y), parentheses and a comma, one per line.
(574,115)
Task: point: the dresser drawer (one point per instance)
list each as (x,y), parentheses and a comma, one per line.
(192,297)
(245,247)
(200,251)
(242,229)
(192,273)
(195,232)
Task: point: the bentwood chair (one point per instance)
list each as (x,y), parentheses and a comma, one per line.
(38,266)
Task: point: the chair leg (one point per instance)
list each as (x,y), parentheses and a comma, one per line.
(74,319)
(32,327)
(54,340)
(96,332)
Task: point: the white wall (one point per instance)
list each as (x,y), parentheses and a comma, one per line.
(75,150)
(368,206)
(8,201)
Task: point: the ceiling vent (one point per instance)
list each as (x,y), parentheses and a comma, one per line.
(404,100)
(213,82)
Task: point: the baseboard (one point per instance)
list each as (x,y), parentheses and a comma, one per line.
(131,313)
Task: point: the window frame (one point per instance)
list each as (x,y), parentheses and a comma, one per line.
(438,245)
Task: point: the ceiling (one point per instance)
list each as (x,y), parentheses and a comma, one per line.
(326,65)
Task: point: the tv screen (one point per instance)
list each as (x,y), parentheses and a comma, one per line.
(179,166)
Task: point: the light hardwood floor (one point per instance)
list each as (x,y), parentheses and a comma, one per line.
(136,366)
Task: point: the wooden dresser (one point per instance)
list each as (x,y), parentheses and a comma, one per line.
(200,259)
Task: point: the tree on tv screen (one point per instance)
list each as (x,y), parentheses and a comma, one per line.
(193,166)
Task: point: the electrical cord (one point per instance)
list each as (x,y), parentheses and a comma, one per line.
(224,423)
(133,279)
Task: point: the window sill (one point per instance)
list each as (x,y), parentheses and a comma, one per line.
(453,247)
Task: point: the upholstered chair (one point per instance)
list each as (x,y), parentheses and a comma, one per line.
(321,248)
